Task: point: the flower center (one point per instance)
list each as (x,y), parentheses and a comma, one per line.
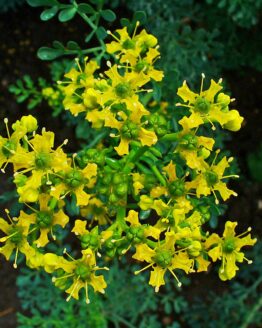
(129,130)
(123,90)
(189,141)
(202,105)
(17,233)
(135,234)
(177,188)
(163,258)
(43,161)
(211,178)
(142,65)
(128,44)
(83,272)
(9,148)
(44,219)
(229,245)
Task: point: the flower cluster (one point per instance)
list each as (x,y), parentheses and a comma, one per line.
(145,188)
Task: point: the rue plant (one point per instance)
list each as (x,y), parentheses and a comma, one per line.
(144,188)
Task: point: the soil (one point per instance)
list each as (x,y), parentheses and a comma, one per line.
(22,33)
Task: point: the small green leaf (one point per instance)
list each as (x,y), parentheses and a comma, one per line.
(140,16)
(49,13)
(108,15)
(39,3)
(84,8)
(124,22)
(58,45)
(72,45)
(67,14)
(46,53)
(101,33)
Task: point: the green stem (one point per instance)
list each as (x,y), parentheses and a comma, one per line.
(252,313)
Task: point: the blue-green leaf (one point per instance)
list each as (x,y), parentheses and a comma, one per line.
(66,15)
(49,13)
(108,15)
(85,8)
(39,3)
(101,33)
(46,53)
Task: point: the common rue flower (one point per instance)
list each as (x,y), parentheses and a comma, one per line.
(228,249)
(207,107)
(15,238)
(164,257)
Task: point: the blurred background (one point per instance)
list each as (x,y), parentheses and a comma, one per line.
(221,38)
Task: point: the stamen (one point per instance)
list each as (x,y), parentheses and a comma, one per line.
(86,291)
(75,285)
(143,269)
(202,82)
(78,65)
(16,255)
(6,125)
(31,208)
(134,33)
(179,284)
(65,252)
(54,279)
(8,215)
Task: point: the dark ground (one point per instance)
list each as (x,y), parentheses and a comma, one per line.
(22,33)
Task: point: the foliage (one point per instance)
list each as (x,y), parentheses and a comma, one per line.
(197,36)
(238,305)
(10,4)
(145,185)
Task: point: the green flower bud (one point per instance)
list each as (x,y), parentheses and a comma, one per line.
(74,179)
(20,180)
(121,189)
(188,141)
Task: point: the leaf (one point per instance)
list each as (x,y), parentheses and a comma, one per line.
(108,15)
(140,16)
(58,45)
(66,15)
(124,22)
(72,45)
(49,13)
(39,3)
(46,53)
(101,33)
(85,8)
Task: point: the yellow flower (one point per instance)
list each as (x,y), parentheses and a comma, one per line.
(74,181)
(45,219)
(194,149)
(10,147)
(207,107)
(41,162)
(130,128)
(82,274)
(210,179)
(228,249)
(96,210)
(16,238)
(163,258)
(122,89)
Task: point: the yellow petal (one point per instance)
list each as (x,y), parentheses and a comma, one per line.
(144,253)
(80,227)
(157,277)
(133,218)
(60,218)
(147,138)
(98,283)
(123,147)
(186,94)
